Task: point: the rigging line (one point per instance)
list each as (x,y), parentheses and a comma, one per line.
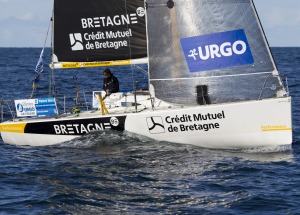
(221,76)
(33,86)
(52,86)
(128,29)
(264,35)
(267,43)
(130,52)
(52,50)
(47,32)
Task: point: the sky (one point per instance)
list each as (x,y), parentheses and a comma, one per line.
(24,23)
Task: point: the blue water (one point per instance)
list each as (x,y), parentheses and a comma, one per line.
(121,173)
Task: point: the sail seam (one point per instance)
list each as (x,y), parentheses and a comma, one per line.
(221,76)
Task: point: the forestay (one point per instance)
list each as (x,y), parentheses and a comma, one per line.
(99,30)
(208,51)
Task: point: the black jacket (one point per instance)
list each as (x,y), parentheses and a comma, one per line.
(111,83)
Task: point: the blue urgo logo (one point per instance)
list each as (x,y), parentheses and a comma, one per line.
(217,51)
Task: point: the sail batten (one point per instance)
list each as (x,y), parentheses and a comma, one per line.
(99,30)
(220,76)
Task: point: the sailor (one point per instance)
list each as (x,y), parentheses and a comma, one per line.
(110,82)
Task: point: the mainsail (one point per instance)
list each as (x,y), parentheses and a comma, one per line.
(208,51)
(91,31)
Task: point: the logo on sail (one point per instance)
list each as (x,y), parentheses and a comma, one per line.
(140,12)
(217,51)
(117,20)
(76,42)
(155,125)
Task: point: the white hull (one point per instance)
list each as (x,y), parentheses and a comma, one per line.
(231,126)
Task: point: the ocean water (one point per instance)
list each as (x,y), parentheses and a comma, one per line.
(122,173)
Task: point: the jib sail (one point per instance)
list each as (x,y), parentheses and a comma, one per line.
(208,51)
(99,30)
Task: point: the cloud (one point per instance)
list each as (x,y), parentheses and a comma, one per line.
(281,21)
(26,31)
(28,16)
(281,17)
(275,17)
(279,13)
(23,37)
(6,34)
(297,19)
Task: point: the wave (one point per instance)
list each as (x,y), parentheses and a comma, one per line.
(107,138)
(268,149)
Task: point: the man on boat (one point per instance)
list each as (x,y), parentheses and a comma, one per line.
(110,82)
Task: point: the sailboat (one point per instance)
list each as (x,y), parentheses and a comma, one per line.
(213,81)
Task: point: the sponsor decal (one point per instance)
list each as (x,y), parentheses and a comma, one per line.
(76,42)
(217,51)
(76,126)
(25,107)
(15,128)
(185,123)
(140,11)
(105,21)
(114,121)
(36,107)
(77,129)
(95,64)
(97,36)
(267,128)
(156,125)
(20,107)
(46,107)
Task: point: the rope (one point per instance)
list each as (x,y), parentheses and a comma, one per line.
(33,83)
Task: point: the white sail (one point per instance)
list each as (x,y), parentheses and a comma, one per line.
(215,51)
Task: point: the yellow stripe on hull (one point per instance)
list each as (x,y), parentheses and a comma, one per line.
(14,128)
(282,129)
(269,128)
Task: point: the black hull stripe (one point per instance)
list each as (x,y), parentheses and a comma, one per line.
(76,126)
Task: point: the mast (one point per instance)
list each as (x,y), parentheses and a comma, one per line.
(151,90)
(52,52)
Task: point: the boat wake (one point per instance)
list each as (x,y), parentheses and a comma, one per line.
(126,145)
(268,149)
(109,138)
